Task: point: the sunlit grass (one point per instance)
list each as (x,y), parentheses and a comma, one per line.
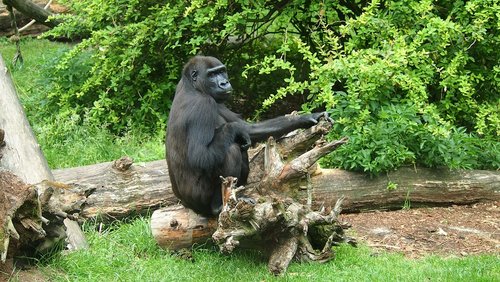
(76,145)
(128,252)
(69,142)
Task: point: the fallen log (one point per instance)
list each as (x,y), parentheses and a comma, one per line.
(419,187)
(109,193)
(101,191)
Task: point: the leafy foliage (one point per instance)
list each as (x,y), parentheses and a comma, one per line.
(410,82)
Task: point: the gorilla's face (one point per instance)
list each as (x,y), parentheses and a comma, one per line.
(209,76)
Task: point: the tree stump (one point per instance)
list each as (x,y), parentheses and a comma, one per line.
(20,214)
(293,230)
(263,213)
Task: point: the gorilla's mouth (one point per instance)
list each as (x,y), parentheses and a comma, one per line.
(226,92)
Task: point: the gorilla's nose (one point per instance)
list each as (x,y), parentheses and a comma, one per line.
(224,84)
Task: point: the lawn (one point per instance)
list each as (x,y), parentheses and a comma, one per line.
(127,252)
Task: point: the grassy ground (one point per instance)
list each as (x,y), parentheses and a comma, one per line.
(69,142)
(127,252)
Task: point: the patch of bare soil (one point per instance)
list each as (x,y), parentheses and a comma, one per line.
(451,231)
(10,273)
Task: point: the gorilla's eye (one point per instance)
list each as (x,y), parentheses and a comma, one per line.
(216,71)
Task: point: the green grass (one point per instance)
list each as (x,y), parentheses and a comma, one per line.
(86,144)
(69,142)
(30,78)
(127,252)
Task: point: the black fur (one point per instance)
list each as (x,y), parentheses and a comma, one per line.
(205,140)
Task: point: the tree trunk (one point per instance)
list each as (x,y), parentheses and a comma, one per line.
(21,153)
(101,190)
(30,213)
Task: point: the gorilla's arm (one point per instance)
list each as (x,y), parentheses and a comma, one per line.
(275,127)
(202,153)
(280,126)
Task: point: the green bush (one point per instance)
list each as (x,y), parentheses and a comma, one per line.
(410,82)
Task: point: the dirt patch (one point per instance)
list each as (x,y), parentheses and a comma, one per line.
(451,231)
(10,273)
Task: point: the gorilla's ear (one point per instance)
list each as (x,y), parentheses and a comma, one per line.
(194,75)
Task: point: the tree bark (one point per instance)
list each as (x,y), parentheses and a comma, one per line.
(20,216)
(100,190)
(30,218)
(419,187)
(21,153)
(103,191)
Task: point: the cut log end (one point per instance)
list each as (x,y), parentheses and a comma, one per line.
(177,227)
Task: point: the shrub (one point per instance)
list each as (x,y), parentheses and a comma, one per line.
(408,81)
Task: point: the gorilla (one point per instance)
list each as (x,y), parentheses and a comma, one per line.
(206,140)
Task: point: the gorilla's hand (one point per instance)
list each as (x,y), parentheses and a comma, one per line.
(243,138)
(241,135)
(315,117)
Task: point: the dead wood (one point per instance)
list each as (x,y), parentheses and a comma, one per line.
(106,192)
(21,152)
(31,218)
(271,219)
(20,214)
(176,227)
(33,11)
(101,191)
